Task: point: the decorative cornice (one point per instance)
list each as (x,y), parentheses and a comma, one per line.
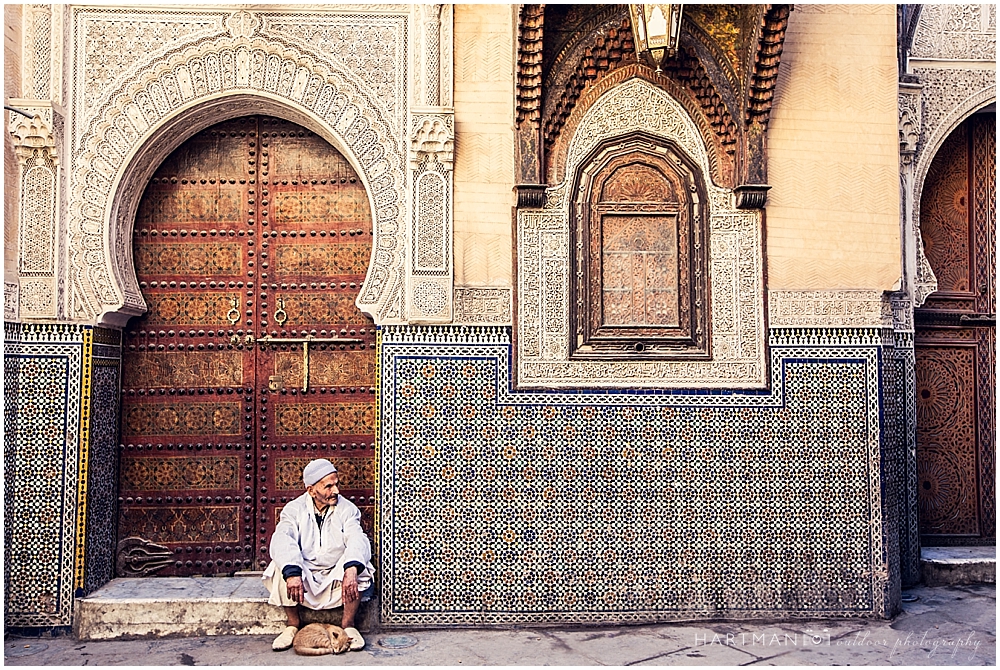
(767,57)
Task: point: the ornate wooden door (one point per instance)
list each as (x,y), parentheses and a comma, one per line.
(251,243)
(956,341)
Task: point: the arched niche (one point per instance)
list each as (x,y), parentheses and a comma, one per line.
(931,142)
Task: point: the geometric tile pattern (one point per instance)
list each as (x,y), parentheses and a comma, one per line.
(102,477)
(41,448)
(500,506)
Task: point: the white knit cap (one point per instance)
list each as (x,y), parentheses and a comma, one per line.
(316,470)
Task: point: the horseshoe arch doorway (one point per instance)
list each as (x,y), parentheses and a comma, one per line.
(250,243)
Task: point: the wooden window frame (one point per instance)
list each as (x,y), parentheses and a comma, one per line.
(593,339)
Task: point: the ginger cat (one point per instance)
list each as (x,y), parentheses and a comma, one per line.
(317,639)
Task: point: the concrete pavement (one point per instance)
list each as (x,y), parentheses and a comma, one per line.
(953,625)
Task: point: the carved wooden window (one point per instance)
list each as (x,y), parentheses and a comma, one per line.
(641,280)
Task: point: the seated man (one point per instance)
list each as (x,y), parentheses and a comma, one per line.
(320,556)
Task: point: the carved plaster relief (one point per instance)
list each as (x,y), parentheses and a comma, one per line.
(476,306)
(830,309)
(432,159)
(35,143)
(430,270)
(966,32)
(341,73)
(41,58)
(11,301)
(736,266)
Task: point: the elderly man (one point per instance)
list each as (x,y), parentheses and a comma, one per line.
(320,556)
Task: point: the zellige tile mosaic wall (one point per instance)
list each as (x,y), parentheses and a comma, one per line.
(61,422)
(632,506)
(41,448)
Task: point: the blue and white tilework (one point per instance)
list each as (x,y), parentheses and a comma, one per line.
(502,507)
(102,461)
(43,366)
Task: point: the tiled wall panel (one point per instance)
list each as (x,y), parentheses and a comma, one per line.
(499,506)
(41,450)
(60,457)
(102,461)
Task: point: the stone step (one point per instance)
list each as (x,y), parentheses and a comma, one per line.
(943,566)
(130,608)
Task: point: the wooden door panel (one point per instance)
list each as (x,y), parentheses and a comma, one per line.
(313,258)
(187,410)
(254,228)
(946,437)
(956,339)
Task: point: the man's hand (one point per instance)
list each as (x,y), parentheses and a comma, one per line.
(295,589)
(350,592)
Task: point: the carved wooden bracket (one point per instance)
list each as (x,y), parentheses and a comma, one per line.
(751,196)
(530,195)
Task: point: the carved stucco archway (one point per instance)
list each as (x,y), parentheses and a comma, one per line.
(188,91)
(933,138)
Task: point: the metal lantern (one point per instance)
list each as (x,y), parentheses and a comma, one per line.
(657,31)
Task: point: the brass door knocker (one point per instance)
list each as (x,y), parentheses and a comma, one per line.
(280,315)
(233,315)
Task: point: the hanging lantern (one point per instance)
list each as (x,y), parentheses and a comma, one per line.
(657,31)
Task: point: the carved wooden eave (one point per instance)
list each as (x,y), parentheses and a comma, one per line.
(530,23)
(724,75)
(528,103)
(766,58)
(745,43)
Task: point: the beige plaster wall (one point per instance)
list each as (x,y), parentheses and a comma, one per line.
(833,152)
(11,89)
(484,144)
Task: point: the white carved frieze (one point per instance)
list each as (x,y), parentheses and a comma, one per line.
(830,309)
(956,31)
(482,306)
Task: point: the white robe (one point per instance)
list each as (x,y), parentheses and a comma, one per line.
(297,540)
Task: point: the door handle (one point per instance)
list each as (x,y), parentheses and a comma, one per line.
(233,315)
(280,315)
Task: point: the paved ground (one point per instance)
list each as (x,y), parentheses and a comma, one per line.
(947,626)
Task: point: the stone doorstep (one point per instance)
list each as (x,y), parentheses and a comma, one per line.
(130,608)
(945,566)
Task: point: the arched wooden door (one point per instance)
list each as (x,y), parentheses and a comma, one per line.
(956,341)
(251,243)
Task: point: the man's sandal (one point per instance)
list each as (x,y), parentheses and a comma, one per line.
(357,642)
(284,641)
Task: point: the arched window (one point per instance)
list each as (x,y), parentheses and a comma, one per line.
(640,284)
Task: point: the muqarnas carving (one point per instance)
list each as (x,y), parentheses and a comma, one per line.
(723,75)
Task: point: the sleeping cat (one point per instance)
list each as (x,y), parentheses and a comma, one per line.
(317,639)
